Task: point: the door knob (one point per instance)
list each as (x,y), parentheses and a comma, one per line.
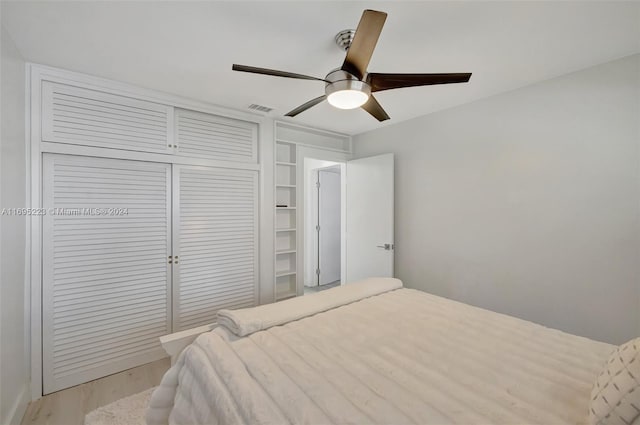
(386,247)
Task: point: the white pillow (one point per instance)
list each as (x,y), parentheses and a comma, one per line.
(615,397)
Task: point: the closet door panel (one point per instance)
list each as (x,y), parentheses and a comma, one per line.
(216,241)
(86,117)
(106,276)
(214,137)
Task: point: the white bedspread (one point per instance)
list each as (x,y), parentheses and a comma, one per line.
(402,356)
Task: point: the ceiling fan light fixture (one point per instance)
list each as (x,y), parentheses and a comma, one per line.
(344,91)
(347,99)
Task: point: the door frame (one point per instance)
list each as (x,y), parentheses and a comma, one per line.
(324,155)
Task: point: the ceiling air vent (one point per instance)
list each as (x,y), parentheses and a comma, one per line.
(260,108)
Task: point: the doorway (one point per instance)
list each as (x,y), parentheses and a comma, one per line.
(327,226)
(366,208)
(323,224)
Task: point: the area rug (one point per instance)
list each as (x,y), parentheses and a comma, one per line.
(126,411)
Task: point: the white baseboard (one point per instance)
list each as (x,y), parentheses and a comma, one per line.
(17,411)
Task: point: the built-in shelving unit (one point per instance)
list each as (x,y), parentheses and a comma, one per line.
(286,229)
(290,142)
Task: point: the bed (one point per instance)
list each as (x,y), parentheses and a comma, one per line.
(375,352)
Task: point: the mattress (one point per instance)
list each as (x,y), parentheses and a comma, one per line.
(394,356)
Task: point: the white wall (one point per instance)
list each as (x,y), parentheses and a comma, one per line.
(527,203)
(14,375)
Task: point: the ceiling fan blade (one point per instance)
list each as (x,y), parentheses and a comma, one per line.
(364,41)
(305,106)
(274,72)
(373,107)
(379,82)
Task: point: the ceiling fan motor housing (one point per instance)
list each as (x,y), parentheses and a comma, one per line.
(339,80)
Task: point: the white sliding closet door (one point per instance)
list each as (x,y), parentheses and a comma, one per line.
(215,242)
(106,276)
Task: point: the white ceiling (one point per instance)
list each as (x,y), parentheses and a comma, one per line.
(187,48)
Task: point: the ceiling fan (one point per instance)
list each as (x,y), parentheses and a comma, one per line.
(350,86)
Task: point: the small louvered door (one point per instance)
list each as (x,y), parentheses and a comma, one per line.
(106,277)
(214,137)
(79,116)
(215,226)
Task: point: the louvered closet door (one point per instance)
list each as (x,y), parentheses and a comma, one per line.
(106,277)
(216,241)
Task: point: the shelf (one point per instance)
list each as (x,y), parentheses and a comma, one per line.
(286,281)
(285,295)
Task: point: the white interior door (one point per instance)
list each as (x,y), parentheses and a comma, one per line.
(369,232)
(329,233)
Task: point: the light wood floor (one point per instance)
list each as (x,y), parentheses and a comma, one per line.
(68,407)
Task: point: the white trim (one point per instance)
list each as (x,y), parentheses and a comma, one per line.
(309,128)
(27,224)
(175,246)
(35,237)
(19,408)
(313,146)
(266,180)
(62,148)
